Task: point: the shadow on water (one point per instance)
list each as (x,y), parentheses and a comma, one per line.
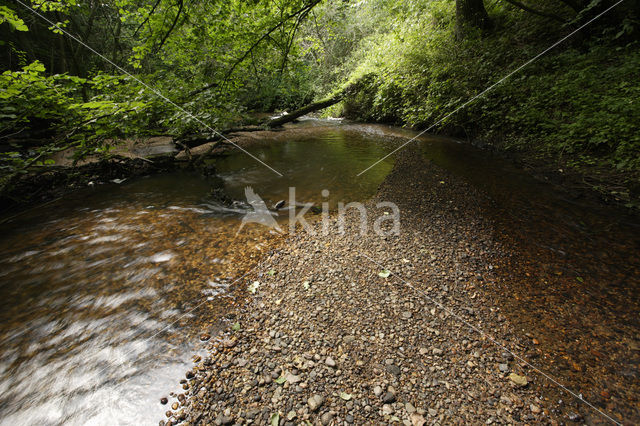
(571,281)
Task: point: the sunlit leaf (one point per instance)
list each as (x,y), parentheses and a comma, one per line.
(346,396)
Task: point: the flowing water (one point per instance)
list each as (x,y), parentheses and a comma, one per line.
(107,293)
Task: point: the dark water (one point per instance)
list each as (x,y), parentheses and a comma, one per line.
(572,283)
(104,294)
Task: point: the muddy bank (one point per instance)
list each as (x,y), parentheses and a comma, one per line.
(330,337)
(127,159)
(56,182)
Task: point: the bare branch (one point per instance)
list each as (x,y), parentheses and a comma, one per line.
(173,25)
(153,9)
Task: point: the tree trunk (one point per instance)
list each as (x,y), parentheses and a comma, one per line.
(315,106)
(471,14)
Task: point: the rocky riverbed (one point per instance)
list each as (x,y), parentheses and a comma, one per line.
(366,329)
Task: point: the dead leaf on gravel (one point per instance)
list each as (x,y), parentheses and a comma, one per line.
(518,380)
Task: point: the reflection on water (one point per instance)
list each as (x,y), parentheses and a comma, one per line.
(572,283)
(105,293)
(336,155)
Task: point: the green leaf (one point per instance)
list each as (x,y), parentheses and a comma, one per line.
(8,15)
(271,272)
(235,326)
(275,419)
(280,380)
(384,274)
(306,285)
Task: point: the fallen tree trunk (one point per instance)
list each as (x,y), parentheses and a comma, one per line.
(312,107)
(202,145)
(197,139)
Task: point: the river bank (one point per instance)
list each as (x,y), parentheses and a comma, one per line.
(551,277)
(328,339)
(148,156)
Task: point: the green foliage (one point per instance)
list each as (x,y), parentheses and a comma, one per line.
(9,16)
(242,52)
(218,60)
(49,111)
(578,105)
(583,107)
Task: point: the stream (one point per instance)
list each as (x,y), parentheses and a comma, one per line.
(108,293)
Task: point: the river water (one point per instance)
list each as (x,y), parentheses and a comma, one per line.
(107,293)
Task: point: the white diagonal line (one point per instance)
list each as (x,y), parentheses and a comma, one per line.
(494,341)
(148,87)
(494,85)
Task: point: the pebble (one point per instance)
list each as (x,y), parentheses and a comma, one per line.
(417,420)
(292,379)
(503,367)
(575,417)
(394,369)
(377,391)
(163,401)
(223,420)
(330,362)
(326,418)
(315,402)
(518,380)
(389,397)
